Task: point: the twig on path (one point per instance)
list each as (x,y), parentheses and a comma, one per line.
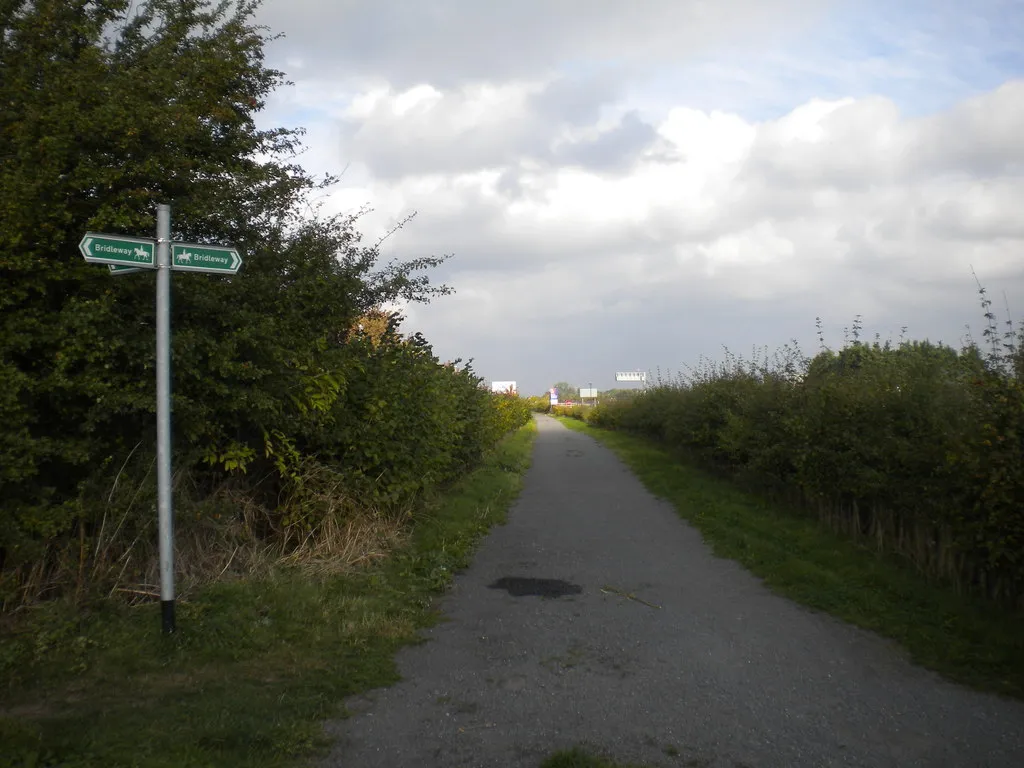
(612,590)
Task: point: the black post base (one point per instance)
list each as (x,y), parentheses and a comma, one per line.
(167,616)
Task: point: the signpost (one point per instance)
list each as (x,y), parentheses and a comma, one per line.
(117,250)
(205,258)
(135,254)
(119,270)
(164,500)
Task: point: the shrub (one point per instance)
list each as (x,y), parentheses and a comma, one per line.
(571,411)
(539,404)
(916,448)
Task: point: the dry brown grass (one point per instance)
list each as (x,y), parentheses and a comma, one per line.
(224,535)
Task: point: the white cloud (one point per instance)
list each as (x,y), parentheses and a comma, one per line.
(830,209)
(599,223)
(982,134)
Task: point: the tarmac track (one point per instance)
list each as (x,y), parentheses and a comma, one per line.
(597,616)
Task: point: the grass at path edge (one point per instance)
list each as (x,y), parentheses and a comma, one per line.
(965,639)
(256,666)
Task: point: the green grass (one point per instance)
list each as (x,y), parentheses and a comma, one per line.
(255,667)
(966,639)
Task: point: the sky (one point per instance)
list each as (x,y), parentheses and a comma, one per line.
(640,185)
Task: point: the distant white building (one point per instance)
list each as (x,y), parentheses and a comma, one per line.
(504,387)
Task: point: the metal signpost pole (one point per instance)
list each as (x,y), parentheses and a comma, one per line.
(127,255)
(163,415)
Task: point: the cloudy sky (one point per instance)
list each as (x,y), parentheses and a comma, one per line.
(632,185)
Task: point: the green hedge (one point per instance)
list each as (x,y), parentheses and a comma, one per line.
(384,423)
(539,403)
(570,411)
(916,449)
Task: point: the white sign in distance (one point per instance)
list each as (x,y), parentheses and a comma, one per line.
(631,376)
(588,392)
(504,386)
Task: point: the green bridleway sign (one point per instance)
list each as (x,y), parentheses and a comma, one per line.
(205,258)
(133,254)
(125,255)
(117,250)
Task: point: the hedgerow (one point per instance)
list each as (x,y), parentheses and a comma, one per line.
(912,448)
(539,403)
(288,419)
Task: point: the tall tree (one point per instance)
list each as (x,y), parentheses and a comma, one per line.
(106,108)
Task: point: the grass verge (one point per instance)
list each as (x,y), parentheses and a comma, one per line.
(255,667)
(965,639)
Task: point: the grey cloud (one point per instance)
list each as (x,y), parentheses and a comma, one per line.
(510,184)
(449,42)
(847,156)
(984,135)
(393,146)
(672,324)
(484,243)
(892,228)
(577,100)
(675,327)
(615,149)
(982,219)
(865,144)
(750,199)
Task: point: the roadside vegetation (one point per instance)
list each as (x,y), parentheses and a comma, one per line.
(257,664)
(882,482)
(314,438)
(301,411)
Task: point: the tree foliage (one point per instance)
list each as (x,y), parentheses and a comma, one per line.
(108,107)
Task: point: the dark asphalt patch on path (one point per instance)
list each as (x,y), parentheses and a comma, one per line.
(520,586)
(667,654)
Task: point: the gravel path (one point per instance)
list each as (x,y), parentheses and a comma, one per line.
(702,666)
